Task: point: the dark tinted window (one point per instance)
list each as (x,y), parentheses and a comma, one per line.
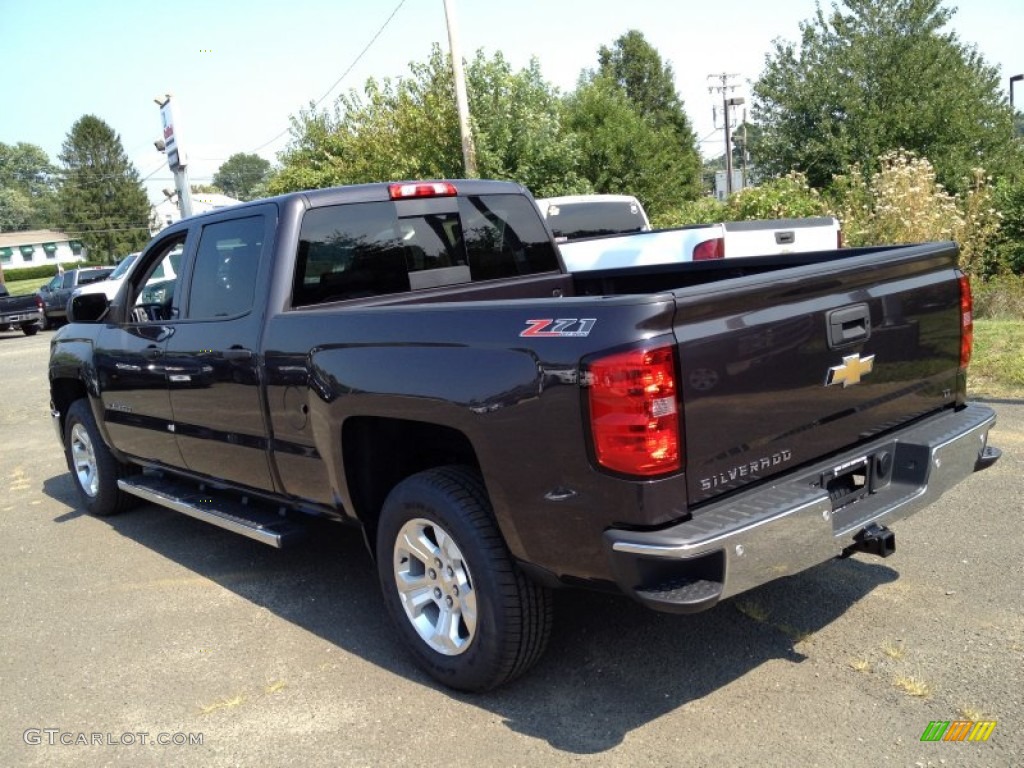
(505,237)
(93,276)
(578,220)
(372,249)
(224,278)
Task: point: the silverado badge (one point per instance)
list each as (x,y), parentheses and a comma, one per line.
(851,371)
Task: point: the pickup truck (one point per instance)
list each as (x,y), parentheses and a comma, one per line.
(702,242)
(22,311)
(55,294)
(413,359)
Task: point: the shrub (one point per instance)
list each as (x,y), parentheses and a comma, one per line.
(999,298)
(704,210)
(788,197)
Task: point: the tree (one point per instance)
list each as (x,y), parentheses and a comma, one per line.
(242,176)
(26,186)
(875,76)
(624,153)
(408,129)
(634,68)
(634,134)
(101,199)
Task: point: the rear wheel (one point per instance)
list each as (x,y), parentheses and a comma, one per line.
(30,330)
(93,467)
(470,617)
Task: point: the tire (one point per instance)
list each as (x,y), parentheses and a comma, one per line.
(93,467)
(30,330)
(476,621)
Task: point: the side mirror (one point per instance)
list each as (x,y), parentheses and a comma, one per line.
(44,289)
(88,308)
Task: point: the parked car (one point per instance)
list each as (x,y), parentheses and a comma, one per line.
(55,294)
(21,311)
(109,286)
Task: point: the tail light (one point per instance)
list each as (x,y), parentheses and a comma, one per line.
(710,249)
(634,412)
(404,191)
(966,322)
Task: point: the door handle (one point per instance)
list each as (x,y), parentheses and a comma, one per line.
(238,353)
(849,325)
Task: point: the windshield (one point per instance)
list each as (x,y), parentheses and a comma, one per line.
(123,266)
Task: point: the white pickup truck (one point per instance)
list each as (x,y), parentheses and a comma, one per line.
(702,242)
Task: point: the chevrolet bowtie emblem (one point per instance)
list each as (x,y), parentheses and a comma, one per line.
(851,371)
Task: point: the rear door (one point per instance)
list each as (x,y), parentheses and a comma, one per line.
(212,366)
(761,238)
(789,367)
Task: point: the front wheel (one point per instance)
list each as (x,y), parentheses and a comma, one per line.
(93,467)
(470,617)
(30,330)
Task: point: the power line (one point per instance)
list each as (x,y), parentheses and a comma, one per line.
(343,74)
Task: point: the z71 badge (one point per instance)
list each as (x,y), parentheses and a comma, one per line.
(564,328)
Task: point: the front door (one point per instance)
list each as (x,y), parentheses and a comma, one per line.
(129,359)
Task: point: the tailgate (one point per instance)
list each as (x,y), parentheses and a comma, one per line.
(759,238)
(786,368)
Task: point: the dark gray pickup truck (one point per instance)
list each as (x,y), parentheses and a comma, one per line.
(24,312)
(413,359)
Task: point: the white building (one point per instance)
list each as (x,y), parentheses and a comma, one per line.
(37,247)
(163,214)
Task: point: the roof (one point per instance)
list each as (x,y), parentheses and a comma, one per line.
(32,237)
(569,199)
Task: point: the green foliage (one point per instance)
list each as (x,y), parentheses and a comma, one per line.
(101,200)
(1000,297)
(242,175)
(873,76)
(30,273)
(787,197)
(703,210)
(633,68)
(903,202)
(408,129)
(26,187)
(1009,201)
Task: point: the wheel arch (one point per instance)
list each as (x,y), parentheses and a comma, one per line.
(379,452)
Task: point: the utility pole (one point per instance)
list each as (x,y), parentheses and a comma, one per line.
(724,88)
(468,151)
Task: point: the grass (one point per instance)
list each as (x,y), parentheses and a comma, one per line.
(861,665)
(997,366)
(893,651)
(23,287)
(912,686)
(230,703)
(971,713)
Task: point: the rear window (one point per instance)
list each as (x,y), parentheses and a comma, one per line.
(372,249)
(93,276)
(576,220)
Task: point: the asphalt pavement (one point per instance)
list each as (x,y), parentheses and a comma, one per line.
(154,639)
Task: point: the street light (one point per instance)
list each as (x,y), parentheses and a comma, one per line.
(1014,79)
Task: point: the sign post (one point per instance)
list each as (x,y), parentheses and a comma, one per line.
(177,161)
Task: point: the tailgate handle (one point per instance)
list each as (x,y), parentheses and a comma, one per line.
(849,325)
(785,238)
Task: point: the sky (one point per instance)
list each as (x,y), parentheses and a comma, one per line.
(238,70)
